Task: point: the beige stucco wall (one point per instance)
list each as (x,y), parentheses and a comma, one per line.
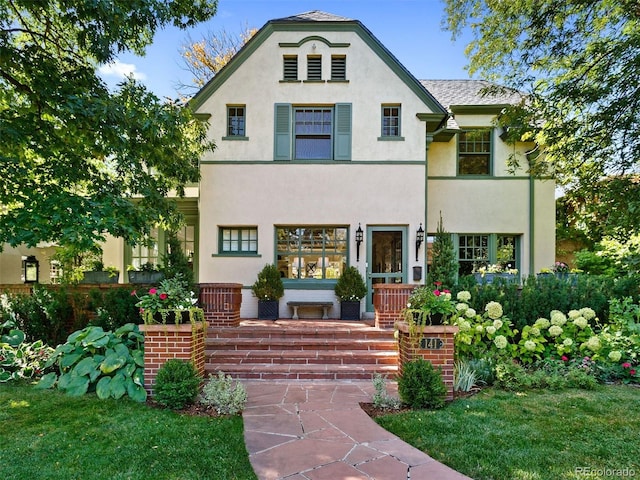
(371,84)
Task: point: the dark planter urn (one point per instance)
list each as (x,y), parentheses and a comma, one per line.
(350,310)
(99,277)
(172,317)
(430,319)
(268,309)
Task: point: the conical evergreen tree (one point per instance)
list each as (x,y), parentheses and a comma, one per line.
(444,266)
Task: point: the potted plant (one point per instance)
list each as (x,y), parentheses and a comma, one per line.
(98,273)
(427,306)
(268,289)
(350,289)
(148,273)
(171,302)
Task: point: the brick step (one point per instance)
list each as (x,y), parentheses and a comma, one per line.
(301,372)
(298,344)
(266,333)
(287,357)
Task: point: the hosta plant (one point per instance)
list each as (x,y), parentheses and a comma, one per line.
(109,363)
(20,359)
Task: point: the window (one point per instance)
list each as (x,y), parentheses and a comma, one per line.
(308,253)
(475,251)
(474,152)
(391,120)
(238,240)
(290,67)
(312,133)
(338,67)
(314,67)
(313,128)
(143,254)
(187,238)
(236,121)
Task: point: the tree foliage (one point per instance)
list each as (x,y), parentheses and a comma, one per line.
(444,266)
(578,62)
(73,154)
(204,58)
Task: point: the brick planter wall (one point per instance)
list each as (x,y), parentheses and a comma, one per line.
(221,303)
(164,342)
(442,357)
(389,299)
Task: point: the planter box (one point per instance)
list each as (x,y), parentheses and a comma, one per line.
(145,277)
(99,277)
(350,310)
(268,309)
(490,277)
(175,317)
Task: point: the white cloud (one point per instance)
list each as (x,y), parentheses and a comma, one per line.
(121,70)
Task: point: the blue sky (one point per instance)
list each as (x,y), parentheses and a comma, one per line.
(410,29)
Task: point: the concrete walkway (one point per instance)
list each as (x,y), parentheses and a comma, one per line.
(317,431)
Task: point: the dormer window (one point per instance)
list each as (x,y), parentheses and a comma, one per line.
(314,67)
(290,67)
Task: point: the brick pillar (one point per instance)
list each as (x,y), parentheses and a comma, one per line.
(221,303)
(434,343)
(164,342)
(389,299)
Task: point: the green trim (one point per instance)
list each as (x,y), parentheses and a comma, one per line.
(532,207)
(236,137)
(368,255)
(290,81)
(478,177)
(337,81)
(203,117)
(382,117)
(434,121)
(316,162)
(298,26)
(479,109)
(237,253)
(314,81)
(391,139)
(308,284)
(313,38)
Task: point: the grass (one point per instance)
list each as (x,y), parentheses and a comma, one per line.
(49,435)
(537,435)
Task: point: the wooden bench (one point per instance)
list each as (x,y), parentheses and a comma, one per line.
(324,305)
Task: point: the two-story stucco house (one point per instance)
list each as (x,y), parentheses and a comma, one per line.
(330,154)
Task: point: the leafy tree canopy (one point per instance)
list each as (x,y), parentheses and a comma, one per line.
(578,62)
(73,154)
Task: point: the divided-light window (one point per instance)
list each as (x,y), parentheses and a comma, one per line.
(313,130)
(238,240)
(391,120)
(236,121)
(474,152)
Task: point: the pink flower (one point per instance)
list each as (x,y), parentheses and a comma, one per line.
(626,365)
(437,284)
(436,293)
(133,294)
(163,296)
(565,358)
(632,372)
(152,291)
(446,291)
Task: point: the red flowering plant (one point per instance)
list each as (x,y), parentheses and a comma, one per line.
(172,295)
(425,303)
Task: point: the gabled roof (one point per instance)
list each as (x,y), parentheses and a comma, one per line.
(318,21)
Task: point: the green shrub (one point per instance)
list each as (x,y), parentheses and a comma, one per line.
(421,385)
(111,363)
(114,307)
(350,286)
(227,397)
(177,384)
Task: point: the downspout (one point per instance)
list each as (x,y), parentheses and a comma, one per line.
(532,209)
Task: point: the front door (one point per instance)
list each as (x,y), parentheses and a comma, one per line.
(386,258)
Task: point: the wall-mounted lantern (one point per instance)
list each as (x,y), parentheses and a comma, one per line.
(419,239)
(358,242)
(30,269)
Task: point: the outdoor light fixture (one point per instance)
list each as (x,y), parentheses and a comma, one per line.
(30,268)
(419,239)
(358,242)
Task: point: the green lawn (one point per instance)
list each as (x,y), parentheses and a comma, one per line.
(49,435)
(537,435)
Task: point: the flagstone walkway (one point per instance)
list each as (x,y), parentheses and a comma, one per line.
(317,431)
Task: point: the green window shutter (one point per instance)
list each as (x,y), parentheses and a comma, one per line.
(282,135)
(342,134)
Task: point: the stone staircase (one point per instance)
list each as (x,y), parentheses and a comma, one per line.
(301,350)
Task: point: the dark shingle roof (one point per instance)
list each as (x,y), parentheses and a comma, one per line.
(314,16)
(470,92)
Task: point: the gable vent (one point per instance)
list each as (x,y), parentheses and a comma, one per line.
(338,68)
(314,68)
(291,67)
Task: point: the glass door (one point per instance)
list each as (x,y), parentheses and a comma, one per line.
(386,258)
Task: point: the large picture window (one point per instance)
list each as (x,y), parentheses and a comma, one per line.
(311,253)
(313,128)
(474,152)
